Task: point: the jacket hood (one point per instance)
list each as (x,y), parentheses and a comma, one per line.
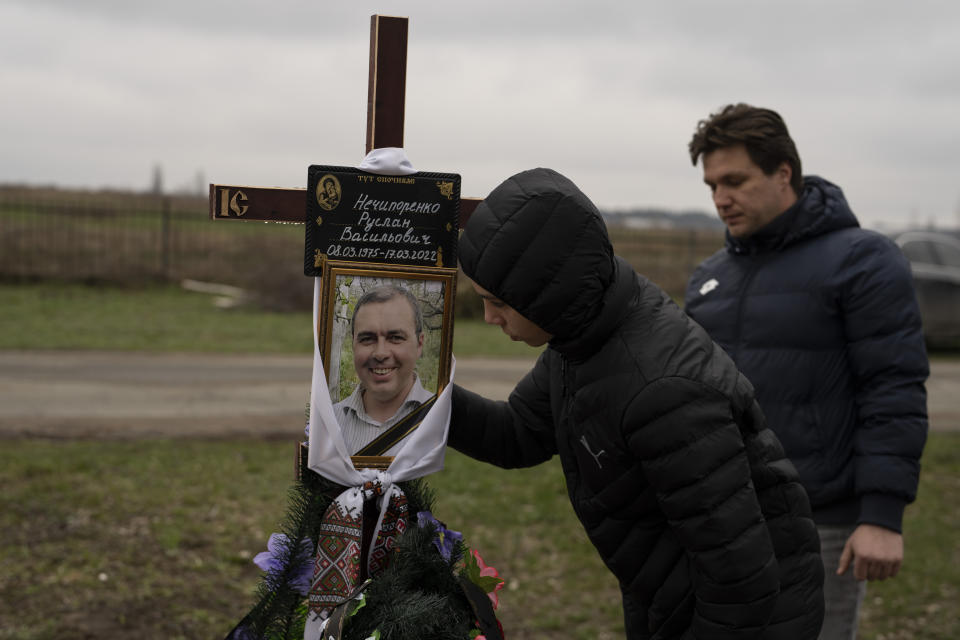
(821,208)
(539,244)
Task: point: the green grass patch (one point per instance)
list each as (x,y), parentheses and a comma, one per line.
(155,538)
(476,338)
(166,318)
(163,318)
(922,601)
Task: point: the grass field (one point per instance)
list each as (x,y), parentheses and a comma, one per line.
(166,318)
(154,539)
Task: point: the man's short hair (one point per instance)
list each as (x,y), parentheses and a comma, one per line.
(761,131)
(386,293)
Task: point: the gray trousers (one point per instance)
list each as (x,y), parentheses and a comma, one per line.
(842,595)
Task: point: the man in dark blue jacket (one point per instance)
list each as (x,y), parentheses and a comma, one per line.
(821,316)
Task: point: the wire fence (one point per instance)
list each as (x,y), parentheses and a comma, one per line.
(666,256)
(134,239)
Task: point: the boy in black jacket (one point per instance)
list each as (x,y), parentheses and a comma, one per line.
(669,465)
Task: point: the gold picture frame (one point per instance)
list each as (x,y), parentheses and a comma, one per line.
(344,283)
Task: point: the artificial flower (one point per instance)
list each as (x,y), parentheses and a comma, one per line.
(271,562)
(484,576)
(446,540)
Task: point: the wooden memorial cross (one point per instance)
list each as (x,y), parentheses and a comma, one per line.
(385,118)
(386,94)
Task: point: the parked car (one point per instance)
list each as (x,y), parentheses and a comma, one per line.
(935,261)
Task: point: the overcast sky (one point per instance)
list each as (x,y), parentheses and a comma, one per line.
(95,93)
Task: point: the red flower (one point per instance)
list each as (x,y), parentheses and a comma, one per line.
(487,571)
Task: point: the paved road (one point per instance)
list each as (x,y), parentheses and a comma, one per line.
(66,394)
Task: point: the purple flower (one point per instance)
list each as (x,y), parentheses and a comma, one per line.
(272,561)
(241,632)
(446,540)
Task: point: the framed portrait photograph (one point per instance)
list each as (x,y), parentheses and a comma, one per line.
(384,328)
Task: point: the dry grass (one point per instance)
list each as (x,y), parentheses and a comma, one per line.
(137,238)
(154,539)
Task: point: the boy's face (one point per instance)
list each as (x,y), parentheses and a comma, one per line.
(499,313)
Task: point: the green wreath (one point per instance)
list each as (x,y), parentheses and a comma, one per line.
(434,588)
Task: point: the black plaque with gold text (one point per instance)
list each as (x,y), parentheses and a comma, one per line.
(364,217)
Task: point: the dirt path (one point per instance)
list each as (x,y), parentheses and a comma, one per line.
(66,394)
(84,394)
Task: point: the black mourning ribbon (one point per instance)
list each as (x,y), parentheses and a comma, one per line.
(407,425)
(482,608)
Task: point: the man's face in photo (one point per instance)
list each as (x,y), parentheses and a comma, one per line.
(386,348)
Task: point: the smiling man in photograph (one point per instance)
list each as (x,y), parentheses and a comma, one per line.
(821,316)
(387,330)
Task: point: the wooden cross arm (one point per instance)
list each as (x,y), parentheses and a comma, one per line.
(385,113)
(233,202)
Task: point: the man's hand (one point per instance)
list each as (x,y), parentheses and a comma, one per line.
(876,552)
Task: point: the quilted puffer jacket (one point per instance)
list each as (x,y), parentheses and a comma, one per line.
(669,465)
(822,318)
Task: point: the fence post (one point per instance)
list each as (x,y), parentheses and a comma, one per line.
(165,240)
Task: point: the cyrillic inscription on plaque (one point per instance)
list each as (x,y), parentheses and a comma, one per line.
(364,217)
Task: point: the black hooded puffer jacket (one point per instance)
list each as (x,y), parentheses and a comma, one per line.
(668,462)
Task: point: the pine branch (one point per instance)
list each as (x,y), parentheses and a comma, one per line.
(277,612)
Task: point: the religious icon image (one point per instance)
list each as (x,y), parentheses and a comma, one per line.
(328,192)
(386,345)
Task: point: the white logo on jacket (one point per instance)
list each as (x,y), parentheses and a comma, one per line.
(709,286)
(596,456)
